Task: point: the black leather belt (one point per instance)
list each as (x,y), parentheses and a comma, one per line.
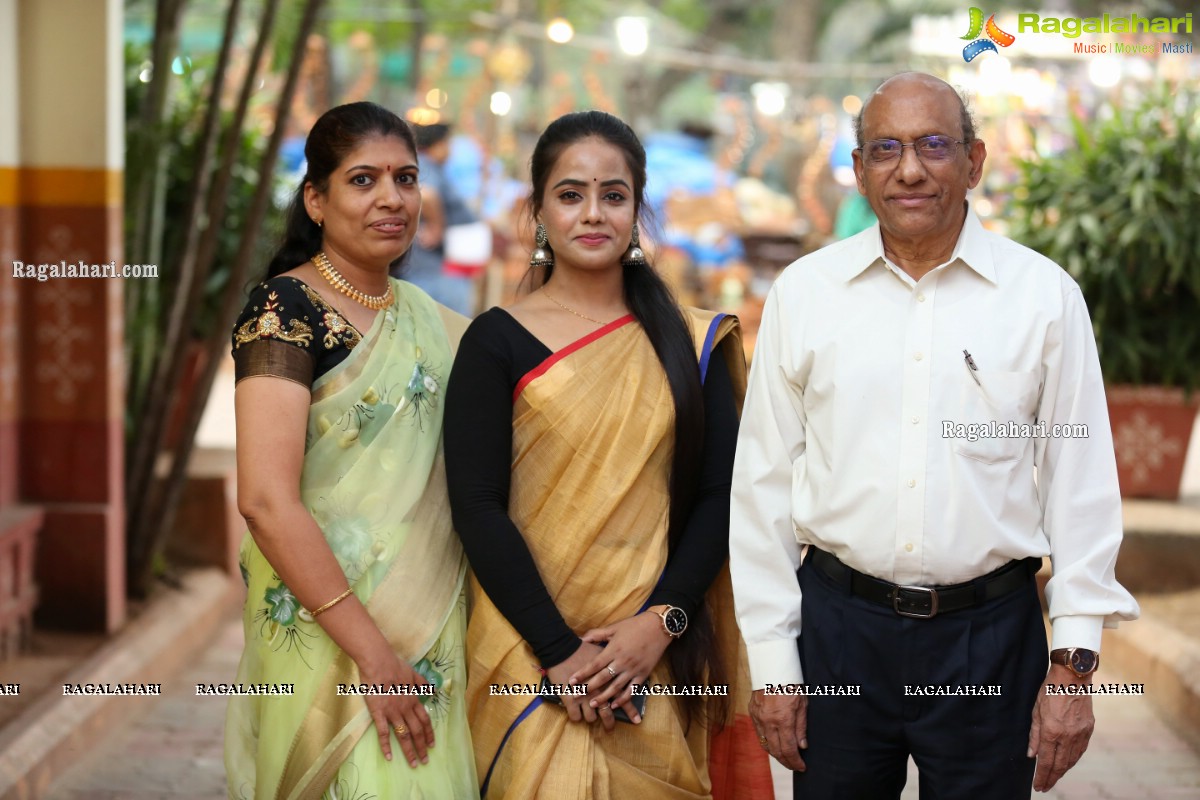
(925,602)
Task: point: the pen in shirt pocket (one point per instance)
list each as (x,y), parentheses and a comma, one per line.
(971,368)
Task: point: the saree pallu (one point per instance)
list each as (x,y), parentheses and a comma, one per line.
(373,479)
(593,433)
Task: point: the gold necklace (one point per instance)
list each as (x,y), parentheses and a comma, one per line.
(337,281)
(571,310)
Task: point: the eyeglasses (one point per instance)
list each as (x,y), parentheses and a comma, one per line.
(934,149)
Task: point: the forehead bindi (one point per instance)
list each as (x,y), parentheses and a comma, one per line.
(591,161)
(382,152)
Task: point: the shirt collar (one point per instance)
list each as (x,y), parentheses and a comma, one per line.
(866,249)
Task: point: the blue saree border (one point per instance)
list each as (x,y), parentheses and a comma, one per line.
(706,350)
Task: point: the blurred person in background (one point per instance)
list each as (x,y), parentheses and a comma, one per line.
(426,264)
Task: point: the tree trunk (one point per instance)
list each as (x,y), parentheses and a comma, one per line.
(143,186)
(794,34)
(419,27)
(149,140)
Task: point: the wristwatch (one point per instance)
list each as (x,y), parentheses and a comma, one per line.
(1079,660)
(674,619)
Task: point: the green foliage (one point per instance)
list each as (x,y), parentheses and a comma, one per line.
(184,125)
(694,16)
(1120,210)
(148,311)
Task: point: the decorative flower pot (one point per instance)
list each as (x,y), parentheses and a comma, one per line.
(1151,427)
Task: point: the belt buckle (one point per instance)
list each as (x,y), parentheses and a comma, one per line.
(933,601)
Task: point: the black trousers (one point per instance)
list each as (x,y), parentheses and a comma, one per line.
(966,747)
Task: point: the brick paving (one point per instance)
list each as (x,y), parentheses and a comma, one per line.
(174,751)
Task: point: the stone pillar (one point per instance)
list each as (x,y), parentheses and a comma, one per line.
(19,523)
(70,85)
(9,323)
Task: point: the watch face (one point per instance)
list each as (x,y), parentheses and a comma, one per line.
(675,620)
(1083,661)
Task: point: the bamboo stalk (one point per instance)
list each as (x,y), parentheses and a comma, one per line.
(164,510)
(154,404)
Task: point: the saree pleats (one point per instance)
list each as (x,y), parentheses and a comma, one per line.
(374,481)
(593,434)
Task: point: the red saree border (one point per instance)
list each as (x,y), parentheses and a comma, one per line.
(558,355)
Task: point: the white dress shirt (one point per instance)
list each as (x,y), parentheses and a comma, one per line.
(856,372)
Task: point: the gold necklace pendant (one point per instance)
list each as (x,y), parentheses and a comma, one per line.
(375,302)
(569,309)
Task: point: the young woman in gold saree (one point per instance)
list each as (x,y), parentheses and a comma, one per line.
(589,448)
(355,579)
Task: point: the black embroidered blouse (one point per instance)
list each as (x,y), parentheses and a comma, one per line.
(288,330)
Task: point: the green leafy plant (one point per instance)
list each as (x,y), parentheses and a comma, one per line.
(149,310)
(1119,208)
(191,203)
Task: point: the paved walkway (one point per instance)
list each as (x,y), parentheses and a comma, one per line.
(174,751)
(1133,755)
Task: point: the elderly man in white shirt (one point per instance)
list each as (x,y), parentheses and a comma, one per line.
(925,421)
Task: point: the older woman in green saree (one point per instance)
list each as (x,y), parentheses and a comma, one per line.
(355,578)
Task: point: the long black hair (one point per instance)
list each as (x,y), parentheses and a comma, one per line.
(333,137)
(693,658)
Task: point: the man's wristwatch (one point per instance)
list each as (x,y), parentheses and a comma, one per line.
(1077,659)
(674,620)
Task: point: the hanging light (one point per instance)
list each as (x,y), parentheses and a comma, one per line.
(501,103)
(633,35)
(560,31)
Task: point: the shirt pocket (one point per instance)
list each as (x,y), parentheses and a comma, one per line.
(988,406)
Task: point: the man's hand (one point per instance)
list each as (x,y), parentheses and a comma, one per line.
(783,720)
(1062,726)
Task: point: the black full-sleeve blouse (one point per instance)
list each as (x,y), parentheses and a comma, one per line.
(495,353)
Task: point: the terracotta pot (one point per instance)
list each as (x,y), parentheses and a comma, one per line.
(1151,427)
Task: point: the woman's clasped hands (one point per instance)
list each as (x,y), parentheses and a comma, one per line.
(611,661)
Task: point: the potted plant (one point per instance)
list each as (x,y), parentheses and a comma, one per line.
(1119,208)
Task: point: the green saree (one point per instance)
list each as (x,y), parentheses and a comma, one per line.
(373,480)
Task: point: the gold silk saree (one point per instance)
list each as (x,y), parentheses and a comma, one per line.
(593,433)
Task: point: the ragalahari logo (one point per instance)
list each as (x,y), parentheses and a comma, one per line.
(995,36)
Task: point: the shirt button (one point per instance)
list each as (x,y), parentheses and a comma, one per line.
(912,483)
(915,420)
(920,298)
(908,547)
(918,356)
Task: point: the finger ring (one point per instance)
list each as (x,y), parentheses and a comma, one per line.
(400,730)
(604,707)
(762,740)
(611,671)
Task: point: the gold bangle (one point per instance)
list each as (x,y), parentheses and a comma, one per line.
(331,603)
